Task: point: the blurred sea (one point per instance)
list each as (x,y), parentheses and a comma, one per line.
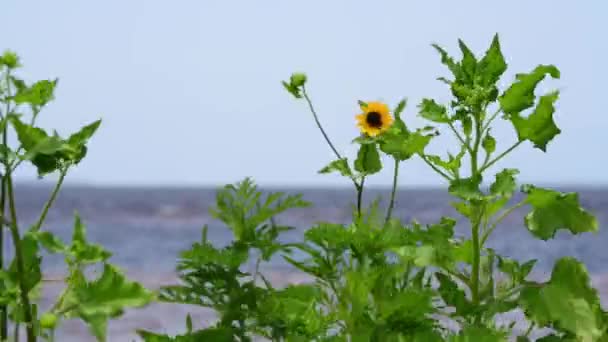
(145,229)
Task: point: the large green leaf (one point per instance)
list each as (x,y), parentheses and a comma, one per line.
(110,294)
(520,96)
(553,210)
(539,127)
(567,302)
(403,146)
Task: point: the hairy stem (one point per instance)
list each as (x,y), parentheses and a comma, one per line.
(391,204)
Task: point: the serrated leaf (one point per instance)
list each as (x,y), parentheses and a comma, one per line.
(553,210)
(368,160)
(431,110)
(539,127)
(110,293)
(505,184)
(81,250)
(38,94)
(520,95)
(339,165)
(49,241)
(492,65)
(578,309)
(466,188)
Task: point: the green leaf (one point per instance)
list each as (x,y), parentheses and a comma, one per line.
(578,309)
(466,188)
(539,127)
(404,146)
(339,165)
(44,151)
(452,295)
(492,65)
(39,94)
(110,294)
(79,140)
(368,160)
(431,110)
(468,64)
(49,241)
(520,95)
(552,210)
(82,251)
(448,61)
(489,144)
(399,109)
(505,184)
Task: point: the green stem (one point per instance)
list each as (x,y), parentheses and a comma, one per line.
(393,192)
(314,114)
(358,186)
(27,309)
(500,156)
(488,232)
(3,308)
(489,122)
(462,141)
(50,201)
(359,195)
(476,262)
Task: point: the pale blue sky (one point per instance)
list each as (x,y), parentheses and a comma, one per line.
(190,91)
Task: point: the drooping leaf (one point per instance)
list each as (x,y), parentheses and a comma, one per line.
(539,127)
(368,160)
(553,210)
(404,146)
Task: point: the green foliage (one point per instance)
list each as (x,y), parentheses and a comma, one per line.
(93,301)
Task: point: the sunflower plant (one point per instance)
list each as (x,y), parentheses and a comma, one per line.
(95,300)
(473,283)
(380,279)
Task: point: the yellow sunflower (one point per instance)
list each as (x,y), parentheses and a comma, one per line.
(375,119)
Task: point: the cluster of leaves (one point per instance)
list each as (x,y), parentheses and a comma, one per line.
(96,300)
(378,279)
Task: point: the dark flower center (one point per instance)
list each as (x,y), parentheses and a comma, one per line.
(374,119)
